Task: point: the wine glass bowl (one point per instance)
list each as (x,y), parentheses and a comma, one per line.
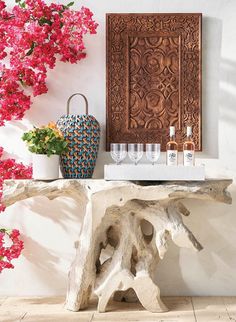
(118,152)
(135,152)
(153,152)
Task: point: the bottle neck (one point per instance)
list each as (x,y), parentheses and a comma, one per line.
(172,137)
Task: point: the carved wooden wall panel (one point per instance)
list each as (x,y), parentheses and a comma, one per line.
(153,77)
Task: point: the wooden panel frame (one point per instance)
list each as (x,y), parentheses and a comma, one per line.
(153,77)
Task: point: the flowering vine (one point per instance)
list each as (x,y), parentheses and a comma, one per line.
(32,36)
(7,253)
(10,169)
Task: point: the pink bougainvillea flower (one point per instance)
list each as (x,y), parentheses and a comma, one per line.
(10,169)
(9,252)
(32,36)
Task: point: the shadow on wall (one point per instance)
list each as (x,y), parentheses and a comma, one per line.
(168,274)
(227,114)
(49,229)
(213,268)
(217,233)
(63,211)
(45,263)
(228,89)
(211,57)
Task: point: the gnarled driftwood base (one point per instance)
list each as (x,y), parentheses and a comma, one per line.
(115,213)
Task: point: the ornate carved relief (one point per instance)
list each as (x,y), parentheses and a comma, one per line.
(154,82)
(153,77)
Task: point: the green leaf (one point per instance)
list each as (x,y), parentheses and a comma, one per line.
(44,20)
(31,49)
(21,3)
(70,4)
(44,141)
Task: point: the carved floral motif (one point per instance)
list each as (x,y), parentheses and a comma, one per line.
(154,82)
(153,77)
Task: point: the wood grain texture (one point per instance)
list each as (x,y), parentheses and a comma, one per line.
(114,212)
(153,77)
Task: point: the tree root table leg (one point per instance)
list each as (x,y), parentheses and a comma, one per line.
(117,223)
(113,218)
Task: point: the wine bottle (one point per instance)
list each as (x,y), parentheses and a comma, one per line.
(189,148)
(172,149)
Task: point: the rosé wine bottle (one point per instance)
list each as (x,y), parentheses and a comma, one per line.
(189,148)
(172,149)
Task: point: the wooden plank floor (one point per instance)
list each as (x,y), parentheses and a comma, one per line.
(182,309)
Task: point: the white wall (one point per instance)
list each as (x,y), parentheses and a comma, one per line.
(50,228)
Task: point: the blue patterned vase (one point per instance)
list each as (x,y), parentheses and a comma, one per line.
(82,133)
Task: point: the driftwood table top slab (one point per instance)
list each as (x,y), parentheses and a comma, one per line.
(214,189)
(115,213)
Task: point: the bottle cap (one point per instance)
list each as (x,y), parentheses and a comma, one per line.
(189,130)
(172,130)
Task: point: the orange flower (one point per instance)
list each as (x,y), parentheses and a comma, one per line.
(60,133)
(52,125)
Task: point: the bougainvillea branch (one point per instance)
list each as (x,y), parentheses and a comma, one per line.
(32,36)
(10,169)
(12,250)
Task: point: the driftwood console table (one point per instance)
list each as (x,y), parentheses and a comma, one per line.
(114,213)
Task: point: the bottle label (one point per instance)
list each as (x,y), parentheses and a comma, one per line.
(188,157)
(172,157)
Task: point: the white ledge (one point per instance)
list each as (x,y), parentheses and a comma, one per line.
(157,172)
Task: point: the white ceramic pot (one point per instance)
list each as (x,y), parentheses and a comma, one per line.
(44,167)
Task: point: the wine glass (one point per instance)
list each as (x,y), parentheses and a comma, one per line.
(135,151)
(153,152)
(118,152)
